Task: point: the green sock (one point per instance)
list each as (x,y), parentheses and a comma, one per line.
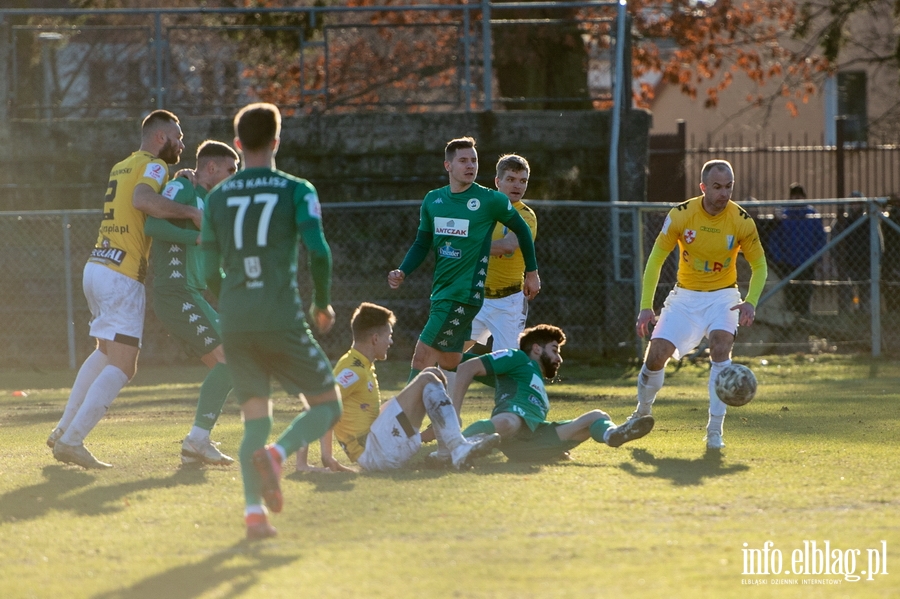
(309,426)
(598,428)
(256,433)
(413,373)
(213,393)
(479,426)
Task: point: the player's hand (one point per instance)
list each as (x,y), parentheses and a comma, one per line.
(188,173)
(644,319)
(532,284)
(332,465)
(301,467)
(395,278)
(197,217)
(323,318)
(746,314)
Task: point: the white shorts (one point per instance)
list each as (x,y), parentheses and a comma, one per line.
(117,304)
(689,316)
(389,444)
(503,318)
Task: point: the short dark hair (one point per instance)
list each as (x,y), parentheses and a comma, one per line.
(457,144)
(158,117)
(541,334)
(512,162)
(214,149)
(797,190)
(368,317)
(256,125)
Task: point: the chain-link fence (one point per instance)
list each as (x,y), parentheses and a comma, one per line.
(823,270)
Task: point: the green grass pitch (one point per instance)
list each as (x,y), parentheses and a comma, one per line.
(812,460)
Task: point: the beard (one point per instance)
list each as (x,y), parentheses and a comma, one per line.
(549,367)
(170,153)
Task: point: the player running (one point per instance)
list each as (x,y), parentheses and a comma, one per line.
(178,301)
(709,231)
(251,227)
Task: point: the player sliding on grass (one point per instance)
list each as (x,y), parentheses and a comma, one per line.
(383,437)
(521,403)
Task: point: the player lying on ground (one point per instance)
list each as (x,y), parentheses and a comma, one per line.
(521,403)
(385,437)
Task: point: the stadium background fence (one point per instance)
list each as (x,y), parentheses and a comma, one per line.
(590,280)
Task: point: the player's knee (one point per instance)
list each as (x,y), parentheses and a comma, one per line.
(432,374)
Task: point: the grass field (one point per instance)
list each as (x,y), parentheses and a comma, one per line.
(814,458)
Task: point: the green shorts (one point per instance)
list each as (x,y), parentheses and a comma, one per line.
(188,317)
(533,416)
(292,357)
(540,445)
(449,325)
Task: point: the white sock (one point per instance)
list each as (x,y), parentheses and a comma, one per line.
(443,417)
(255,509)
(99,397)
(198,434)
(649,384)
(717,407)
(87,374)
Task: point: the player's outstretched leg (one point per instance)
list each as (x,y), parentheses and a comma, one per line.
(634,428)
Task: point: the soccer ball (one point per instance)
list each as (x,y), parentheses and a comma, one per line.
(736,385)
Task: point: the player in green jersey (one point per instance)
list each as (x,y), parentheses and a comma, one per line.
(178,301)
(251,227)
(521,403)
(456,223)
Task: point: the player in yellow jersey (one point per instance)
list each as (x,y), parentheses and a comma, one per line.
(385,437)
(114,282)
(505,308)
(709,231)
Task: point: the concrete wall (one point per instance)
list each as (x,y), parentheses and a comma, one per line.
(65,164)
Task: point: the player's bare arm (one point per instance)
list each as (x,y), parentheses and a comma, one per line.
(395,278)
(149,202)
(644,319)
(465,374)
(505,245)
(532,284)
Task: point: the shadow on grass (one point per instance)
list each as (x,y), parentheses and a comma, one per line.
(680,471)
(201,578)
(55,493)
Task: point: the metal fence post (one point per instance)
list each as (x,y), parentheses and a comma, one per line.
(874,208)
(158,48)
(70,300)
(488,75)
